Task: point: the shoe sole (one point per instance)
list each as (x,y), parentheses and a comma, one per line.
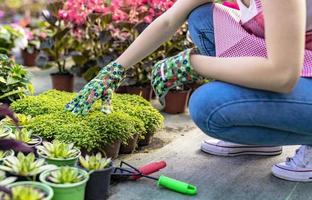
(292,175)
(238,151)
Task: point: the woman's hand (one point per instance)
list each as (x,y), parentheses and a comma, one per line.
(101,87)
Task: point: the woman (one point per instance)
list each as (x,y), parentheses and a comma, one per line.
(262,98)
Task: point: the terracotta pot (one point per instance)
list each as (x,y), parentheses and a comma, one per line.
(29,58)
(193,86)
(130,146)
(112,150)
(176,101)
(146,141)
(63,82)
(143,91)
(121,90)
(153,94)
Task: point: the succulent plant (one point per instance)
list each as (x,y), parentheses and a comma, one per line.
(4,180)
(25,193)
(65,175)
(24,135)
(94,162)
(22,120)
(4,131)
(4,154)
(24,165)
(58,149)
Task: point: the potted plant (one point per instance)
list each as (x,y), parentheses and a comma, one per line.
(176,100)
(28,190)
(26,136)
(23,120)
(100,169)
(26,167)
(66,182)
(14,81)
(130,145)
(57,48)
(9,37)
(35,32)
(59,153)
(132,142)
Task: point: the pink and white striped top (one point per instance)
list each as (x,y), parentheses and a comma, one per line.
(241,33)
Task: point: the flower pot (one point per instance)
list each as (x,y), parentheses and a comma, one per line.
(130,146)
(74,191)
(121,90)
(29,58)
(59,161)
(176,101)
(63,82)
(112,150)
(146,141)
(143,91)
(47,190)
(98,184)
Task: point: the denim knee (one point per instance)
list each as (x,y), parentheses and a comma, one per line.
(200,22)
(205,103)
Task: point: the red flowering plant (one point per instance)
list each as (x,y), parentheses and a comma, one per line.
(104,29)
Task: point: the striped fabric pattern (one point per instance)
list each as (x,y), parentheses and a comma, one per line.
(234,39)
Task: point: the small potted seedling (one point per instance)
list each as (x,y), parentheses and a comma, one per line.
(26,167)
(59,153)
(28,190)
(66,182)
(4,154)
(100,169)
(26,136)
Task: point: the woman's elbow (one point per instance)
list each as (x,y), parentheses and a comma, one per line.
(287,82)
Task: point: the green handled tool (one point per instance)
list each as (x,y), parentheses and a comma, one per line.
(176,185)
(132,173)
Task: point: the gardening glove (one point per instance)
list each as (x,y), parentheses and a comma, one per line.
(172,72)
(100,87)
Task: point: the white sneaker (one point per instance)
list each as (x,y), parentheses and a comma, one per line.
(297,168)
(222,148)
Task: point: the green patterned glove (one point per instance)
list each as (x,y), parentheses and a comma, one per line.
(100,87)
(172,72)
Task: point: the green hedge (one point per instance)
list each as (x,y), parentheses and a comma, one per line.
(132,114)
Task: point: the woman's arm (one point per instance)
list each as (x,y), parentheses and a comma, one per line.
(285,23)
(159,31)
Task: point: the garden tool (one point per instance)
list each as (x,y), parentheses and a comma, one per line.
(132,173)
(173,72)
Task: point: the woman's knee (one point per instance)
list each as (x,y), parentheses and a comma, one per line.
(205,104)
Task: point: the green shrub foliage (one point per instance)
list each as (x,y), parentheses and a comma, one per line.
(132,114)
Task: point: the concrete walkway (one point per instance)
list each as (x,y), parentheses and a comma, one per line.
(217,178)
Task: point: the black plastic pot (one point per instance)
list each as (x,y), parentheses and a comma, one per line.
(99,184)
(146,141)
(130,146)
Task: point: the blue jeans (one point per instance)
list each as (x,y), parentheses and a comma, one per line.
(242,115)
